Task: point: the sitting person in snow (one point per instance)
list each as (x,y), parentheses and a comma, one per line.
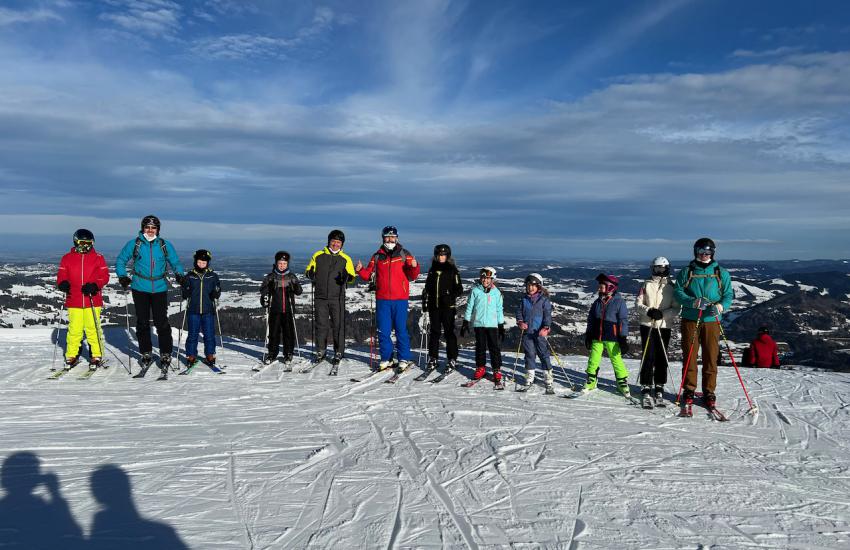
(763,351)
(534,318)
(485,309)
(607,330)
(201,288)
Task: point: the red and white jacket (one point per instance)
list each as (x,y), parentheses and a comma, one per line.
(79,269)
(393,273)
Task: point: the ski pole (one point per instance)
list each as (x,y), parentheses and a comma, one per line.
(101,339)
(558,362)
(664,349)
(371,330)
(516,358)
(313,315)
(58,334)
(266,341)
(295,330)
(183,322)
(220,336)
(421,339)
(645,348)
(690,353)
(753,408)
(127,317)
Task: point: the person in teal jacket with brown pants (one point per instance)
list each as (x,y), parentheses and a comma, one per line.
(704,290)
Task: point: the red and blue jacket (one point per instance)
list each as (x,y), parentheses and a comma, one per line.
(393,273)
(608,318)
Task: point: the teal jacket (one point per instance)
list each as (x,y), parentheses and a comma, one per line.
(485,309)
(711,282)
(150,264)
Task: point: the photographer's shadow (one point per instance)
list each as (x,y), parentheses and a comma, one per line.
(28,520)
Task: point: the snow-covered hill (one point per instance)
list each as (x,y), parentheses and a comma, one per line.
(288,460)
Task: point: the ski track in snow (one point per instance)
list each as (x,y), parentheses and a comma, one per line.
(280,459)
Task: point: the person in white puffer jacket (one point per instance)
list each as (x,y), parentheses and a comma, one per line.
(658,309)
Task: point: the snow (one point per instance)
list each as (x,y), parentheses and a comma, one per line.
(743,290)
(779,282)
(289,460)
(805,288)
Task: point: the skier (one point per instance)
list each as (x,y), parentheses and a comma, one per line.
(442,289)
(763,351)
(394,268)
(201,287)
(485,308)
(82,274)
(151,256)
(607,329)
(330,270)
(657,308)
(534,318)
(704,290)
(277,293)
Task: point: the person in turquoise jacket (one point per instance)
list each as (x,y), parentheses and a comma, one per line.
(485,308)
(704,290)
(151,256)
(607,330)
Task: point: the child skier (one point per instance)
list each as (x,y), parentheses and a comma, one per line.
(277,294)
(485,309)
(442,289)
(82,275)
(201,287)
(607,328)
(534,318)
(658,308)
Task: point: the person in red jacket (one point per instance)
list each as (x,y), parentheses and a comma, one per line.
(393,268)
(82,273)
(763,351)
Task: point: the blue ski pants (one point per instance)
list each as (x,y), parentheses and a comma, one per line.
(392,315)
(534,345)
(200,323)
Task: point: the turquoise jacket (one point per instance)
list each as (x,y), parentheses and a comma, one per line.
(150,264)
(485,309)
(711,282)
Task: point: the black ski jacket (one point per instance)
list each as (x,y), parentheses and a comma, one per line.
(283,288)
(442,287)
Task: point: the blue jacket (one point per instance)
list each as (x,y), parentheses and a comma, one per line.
(536,311)
(485,309)
(608,320)
(150,265)
(197,287)
(711,282)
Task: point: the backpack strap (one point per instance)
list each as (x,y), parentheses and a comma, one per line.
(715,275)
(136,256)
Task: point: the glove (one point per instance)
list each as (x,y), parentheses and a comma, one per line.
(522,325)
(179,278)
(372,286)
(65,286)
(502,332)
(311,274)
(464,328)
(340,279)
(588,341)
(544,332)
(624,344)
(424,307)
(264,301)
(654,313)
(701,303)
(124,281)
(718,308)
(186,293)
(90,289)
(215,294)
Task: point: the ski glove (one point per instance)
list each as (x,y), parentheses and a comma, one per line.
(65,286)
(264,301)
(544,332)
(464,328)
(718,308)
(624,344)
(654,313)
(502,332)
(179,278)
(588,341)
(90,289)
(340,279)
(701,303)
(125,281)
(215,294)
(311,274)
(186,293)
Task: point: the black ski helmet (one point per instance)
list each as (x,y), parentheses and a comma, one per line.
(83,240)
(281,255)
(705,243)
(389,231)
(443,249)
(336,234)
(151,220)
(202,254)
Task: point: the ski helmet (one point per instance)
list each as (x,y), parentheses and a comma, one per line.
(336,235)
(151,220)
(534,279)
(660,266)
(203,255)
(704,244)
(764,329)
(443,249)
(83,240)
(488,272)
(389,231)
(281,255)
(611,282)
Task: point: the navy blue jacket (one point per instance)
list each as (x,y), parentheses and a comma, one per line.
(197,287)
(608,320)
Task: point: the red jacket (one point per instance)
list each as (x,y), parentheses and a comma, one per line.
(393,273)
(763,352)
(79,269)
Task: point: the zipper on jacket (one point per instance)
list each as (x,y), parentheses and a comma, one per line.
(283,293)
(82,279)
(150,253)
(201,297)
(437,298)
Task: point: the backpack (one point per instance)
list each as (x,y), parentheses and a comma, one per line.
(137,256)
(716,275)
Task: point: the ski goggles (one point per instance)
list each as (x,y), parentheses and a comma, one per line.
(84,245)
(705,250)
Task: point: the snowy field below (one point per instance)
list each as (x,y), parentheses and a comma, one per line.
(291,460)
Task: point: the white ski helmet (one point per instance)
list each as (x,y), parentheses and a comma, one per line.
(660,266)
(488,271)
(534,278)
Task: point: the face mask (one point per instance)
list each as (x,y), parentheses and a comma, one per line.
(150,238)
(389,246)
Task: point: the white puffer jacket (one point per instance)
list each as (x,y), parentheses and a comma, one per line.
(657,292)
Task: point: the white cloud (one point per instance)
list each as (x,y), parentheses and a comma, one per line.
(11,17)
(153,18)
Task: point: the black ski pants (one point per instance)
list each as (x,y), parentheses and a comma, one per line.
(281,325)
(157,304)
(488,339)
(442,320)
(329,317)
(653,370)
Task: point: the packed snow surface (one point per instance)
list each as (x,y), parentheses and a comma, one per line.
(291,460)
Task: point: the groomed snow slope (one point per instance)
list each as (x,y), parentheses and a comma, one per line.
(289,460)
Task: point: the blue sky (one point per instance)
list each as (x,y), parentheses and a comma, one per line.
(603,129)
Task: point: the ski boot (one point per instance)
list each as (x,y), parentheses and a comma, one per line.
(451,365)
(191,360)
(479,373)
(146,360)
(659,396)
(623,387)
(71,362)
(164,364)
(319,358)
(550,382)
(590,384)
(687,403)
(268,359)
(646,400)
(384,365)
(497,379)
(710,400)
(404,365)
(95,362)
(210,360)
(432,365)
(337,359)
(529,381)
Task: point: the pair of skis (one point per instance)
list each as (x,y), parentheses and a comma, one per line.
(59,373)
(687,411)
(630,399)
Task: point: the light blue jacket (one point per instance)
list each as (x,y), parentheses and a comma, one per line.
(485,309)
(150,265)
